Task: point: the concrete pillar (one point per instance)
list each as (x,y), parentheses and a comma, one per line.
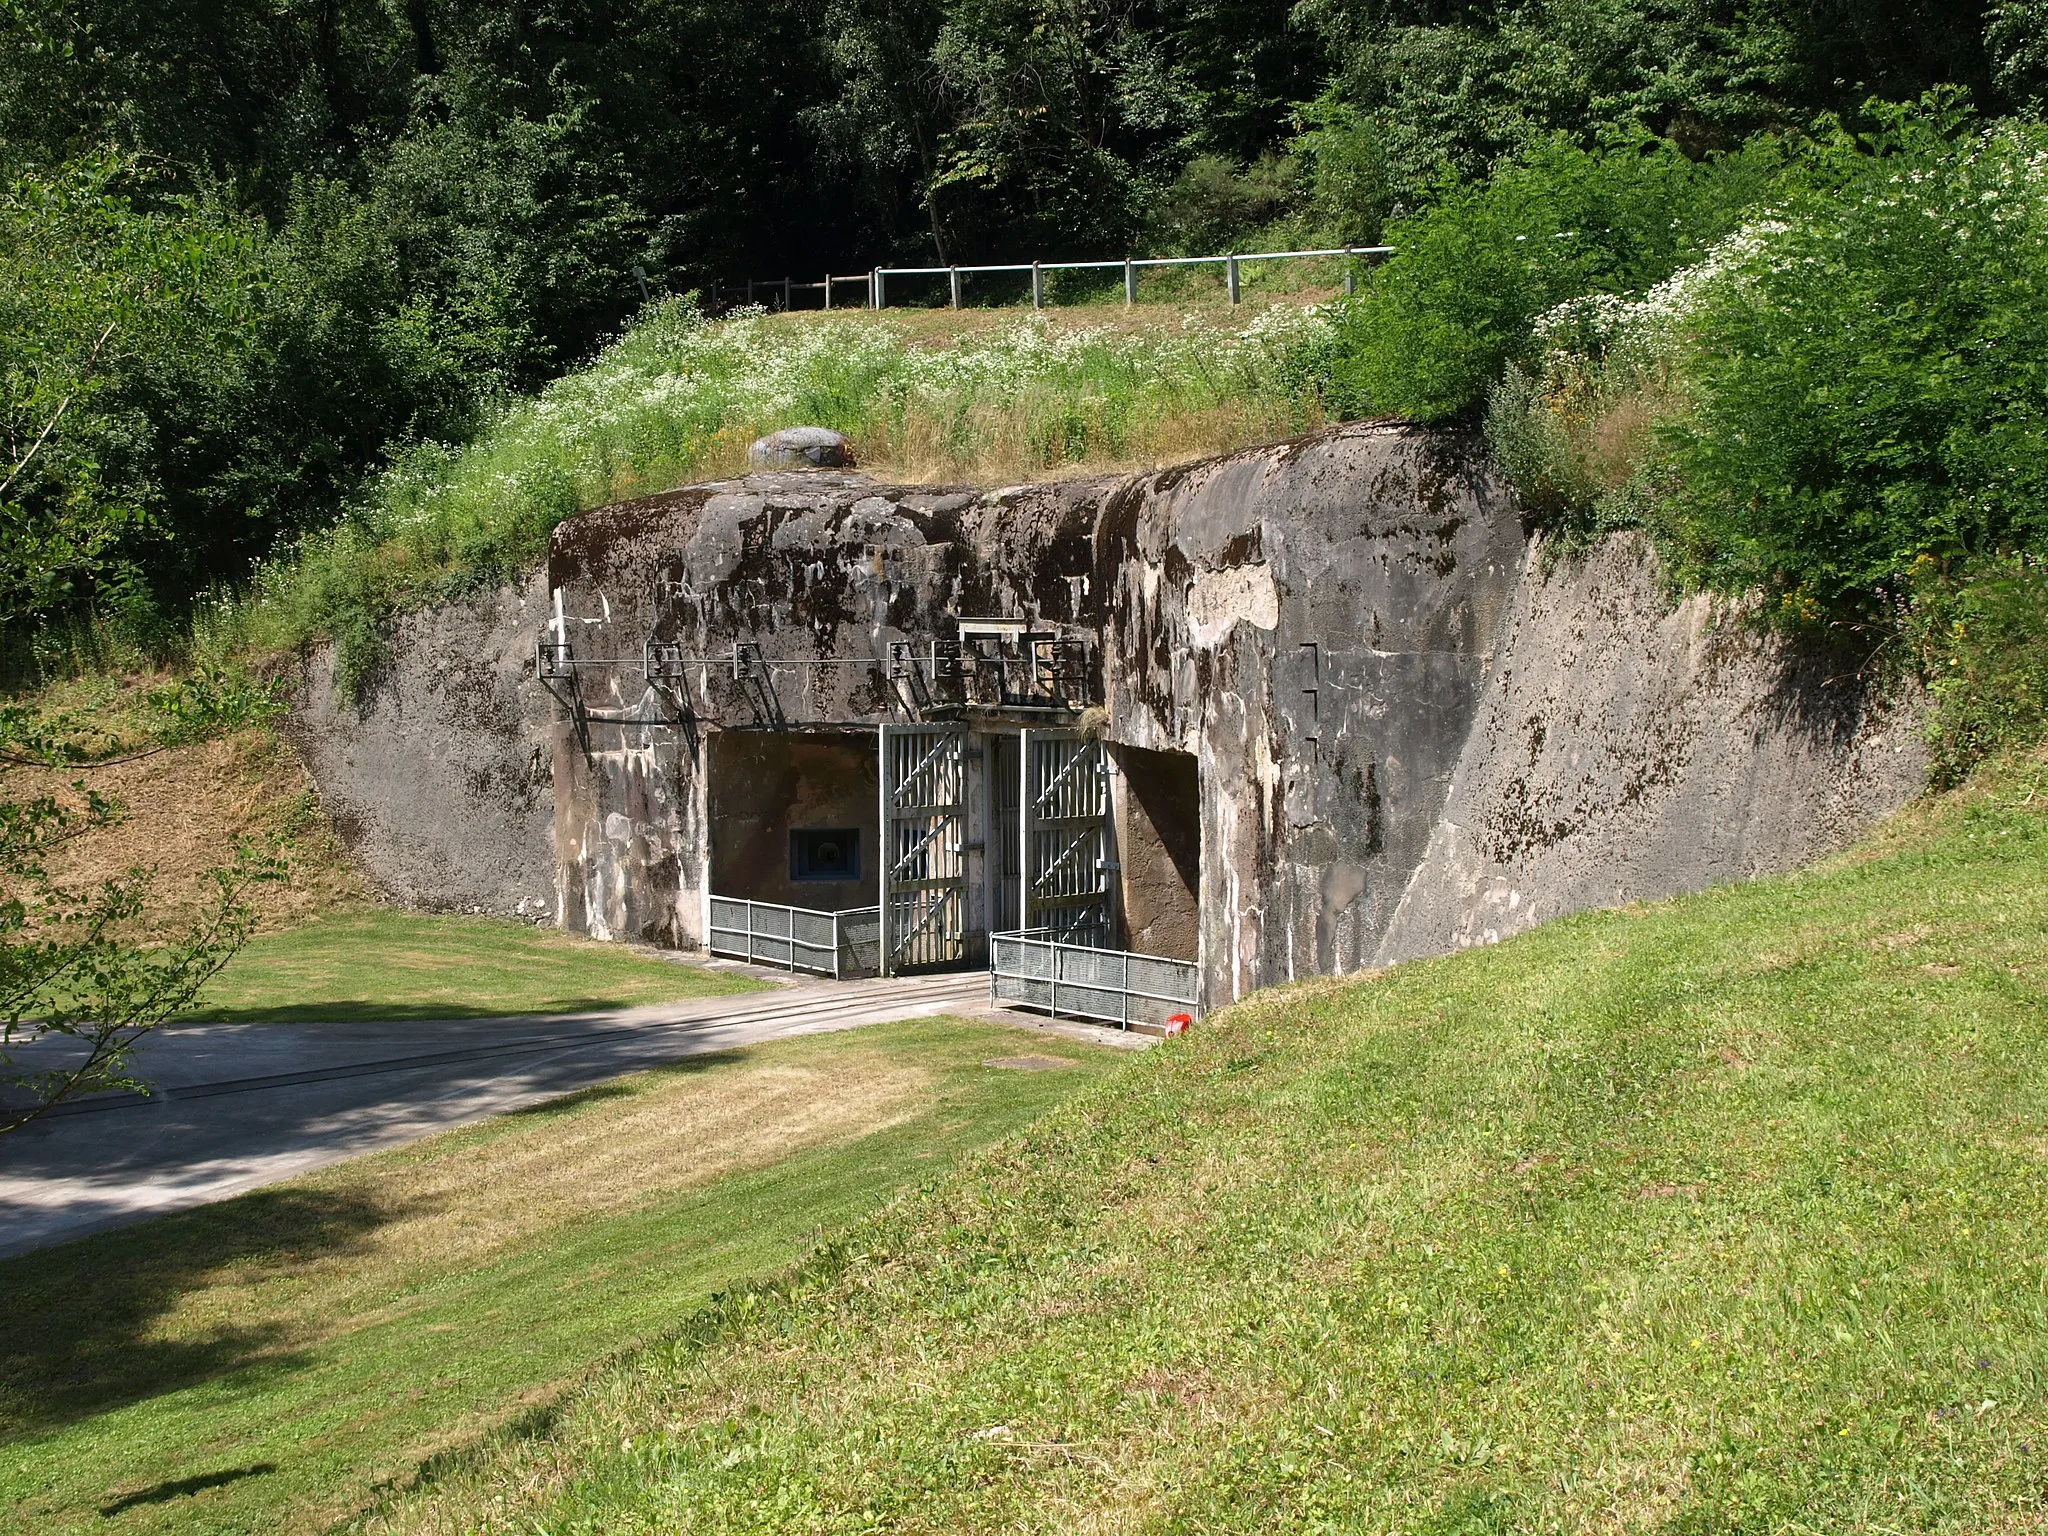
(1037,287)
(828,290)
(785,295)
(954,274)
(1230,276)
(1130,283)
(1350,272)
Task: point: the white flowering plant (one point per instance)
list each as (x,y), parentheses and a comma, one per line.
(678,397)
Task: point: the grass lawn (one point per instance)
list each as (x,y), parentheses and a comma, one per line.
(376,963)
(1726,1214)
(266,1363)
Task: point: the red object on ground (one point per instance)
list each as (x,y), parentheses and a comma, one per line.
(1177,1023)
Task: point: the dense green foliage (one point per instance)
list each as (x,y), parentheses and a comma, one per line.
(1870,383)
(397,214)
(1842,406)
(1721,1215)
(1433,329)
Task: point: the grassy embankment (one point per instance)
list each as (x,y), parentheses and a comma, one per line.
(374,963)
(1721,1214)
(267,1363)
(325,950)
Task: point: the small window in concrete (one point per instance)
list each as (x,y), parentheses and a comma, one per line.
(824,853)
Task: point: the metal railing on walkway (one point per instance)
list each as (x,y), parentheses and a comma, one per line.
(878,280)
(835,944)
(1030,969)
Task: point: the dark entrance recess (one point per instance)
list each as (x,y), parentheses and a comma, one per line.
(776,799)
(824,853)
(1159,836)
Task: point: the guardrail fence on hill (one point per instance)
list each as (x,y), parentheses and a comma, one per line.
(877,281)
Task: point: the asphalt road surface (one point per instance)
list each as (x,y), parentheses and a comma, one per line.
(241,1105)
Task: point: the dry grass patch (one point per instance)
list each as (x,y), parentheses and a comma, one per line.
(460,1201)
(182,811)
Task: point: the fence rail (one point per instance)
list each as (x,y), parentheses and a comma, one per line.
(1114,986)
(877,281)
(836,944)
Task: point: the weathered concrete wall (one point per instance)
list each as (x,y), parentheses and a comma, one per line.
(762,784)
(1630,749)
(1314,621)
(1409,734)
(818,564)
(439,778)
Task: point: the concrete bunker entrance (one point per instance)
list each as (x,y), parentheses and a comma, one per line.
(794,817)
(957,831)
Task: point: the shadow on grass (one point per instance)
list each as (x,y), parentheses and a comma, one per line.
(163,1493)
(77,1322)
(75,1334)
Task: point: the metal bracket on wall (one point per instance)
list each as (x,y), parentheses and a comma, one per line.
(1314,691)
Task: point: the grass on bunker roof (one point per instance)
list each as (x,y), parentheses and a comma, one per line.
(380,963)
(1722,1214)
(269,1362)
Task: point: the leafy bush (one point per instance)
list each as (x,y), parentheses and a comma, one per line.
(1983,644)
(1434,328)
(1869,388)
(1574,426)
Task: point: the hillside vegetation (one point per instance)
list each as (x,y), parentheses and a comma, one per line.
(314,319)
(271,1363)
(986,397)
(1718,1215)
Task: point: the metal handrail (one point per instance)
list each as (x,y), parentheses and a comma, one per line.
(751,935)
(1027,985)
(877,279)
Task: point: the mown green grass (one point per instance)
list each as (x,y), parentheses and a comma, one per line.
(1725,1214)
(266,1363)
(377,963)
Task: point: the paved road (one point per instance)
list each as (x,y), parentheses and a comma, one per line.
(241,1105)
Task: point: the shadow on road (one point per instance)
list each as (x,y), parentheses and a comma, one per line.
(358,1012)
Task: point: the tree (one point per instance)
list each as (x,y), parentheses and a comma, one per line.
(78,984)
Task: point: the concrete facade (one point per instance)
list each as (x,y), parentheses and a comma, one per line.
(440,777)
(1401,730)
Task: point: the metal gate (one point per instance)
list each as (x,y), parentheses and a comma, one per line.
(1065,838)
(924,861)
